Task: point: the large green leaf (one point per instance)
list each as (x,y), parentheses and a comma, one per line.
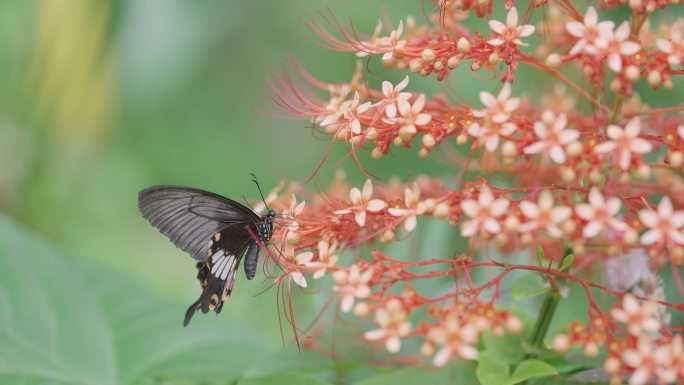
(506,348)
(490,370)
(281,379)
(450,374)
(530,369)
(68,322)
(529,285)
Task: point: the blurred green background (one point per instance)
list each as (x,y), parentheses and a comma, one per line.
(101,98)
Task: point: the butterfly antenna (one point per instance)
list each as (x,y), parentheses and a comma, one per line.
(254,179)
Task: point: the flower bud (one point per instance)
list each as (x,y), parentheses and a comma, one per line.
(428,55)
(462,139)
(376,153)
(509,149)
(676,159)
(632,73)
(630,236)
(511,223)
(591,349)
(654,78)
(494,58)
(361,310)
(387,236)
(427,349)
(574,149)
(463,45)
(594,176)
(428,140)
(371,134)
(553,60)
(567,174)
(416,65)
(438,65)
(560,343)
(453,62)
(442,210)
(514,325)
(568,227)
(643,172)
(612,365)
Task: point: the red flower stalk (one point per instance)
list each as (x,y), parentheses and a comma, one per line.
(540,173)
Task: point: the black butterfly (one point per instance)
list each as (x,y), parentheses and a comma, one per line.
(215,230)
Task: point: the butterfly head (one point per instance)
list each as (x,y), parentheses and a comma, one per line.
(271,214)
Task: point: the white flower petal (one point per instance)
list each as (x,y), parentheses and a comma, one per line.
(299,279)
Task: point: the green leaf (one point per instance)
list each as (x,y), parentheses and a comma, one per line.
(540,256)
(423,375)
(490,370)
(530,369)
(50,327)
(567,262)
(528,285)
(65,321)
(281,379)
(506,348)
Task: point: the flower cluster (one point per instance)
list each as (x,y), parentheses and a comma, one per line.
(635,343)
(600,180)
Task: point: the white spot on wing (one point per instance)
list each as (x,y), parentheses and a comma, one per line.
(216,255)
(229,267)
(218,265)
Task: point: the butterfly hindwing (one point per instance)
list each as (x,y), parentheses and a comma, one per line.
(190,217)
(217,273)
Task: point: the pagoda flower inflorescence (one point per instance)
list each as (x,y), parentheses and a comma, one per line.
(586,173)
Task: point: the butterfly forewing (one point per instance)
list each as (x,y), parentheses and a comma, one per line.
(190,217)
(215,230)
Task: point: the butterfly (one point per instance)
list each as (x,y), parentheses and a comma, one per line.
(216,231)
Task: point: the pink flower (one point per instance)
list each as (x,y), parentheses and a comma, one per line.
(544,216)
(615,45)
(394,96)
(490,134)
(674,46)
(300,262)
(588,32)
(648,360)
(553,136)
(497,109)
(483,212)
(665,224)
(624,142)
(375,40)
(362,203)
(456,338)
(409,213)
(510,32)
(351,114)
(326,258)
(393,325)
(352,284)
(335,109)
(600,214)
(410,117)
(394,43)
(638,318)
(292,213)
